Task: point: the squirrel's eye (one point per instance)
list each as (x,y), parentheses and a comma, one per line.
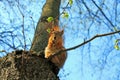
(55,37)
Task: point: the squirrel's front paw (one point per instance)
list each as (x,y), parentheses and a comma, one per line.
(47,55)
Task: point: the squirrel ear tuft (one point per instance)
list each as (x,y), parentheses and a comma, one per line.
(56,28)
(61,32)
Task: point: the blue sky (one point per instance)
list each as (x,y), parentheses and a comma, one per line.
(97,60)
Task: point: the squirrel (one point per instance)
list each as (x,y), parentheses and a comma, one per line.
(55,44)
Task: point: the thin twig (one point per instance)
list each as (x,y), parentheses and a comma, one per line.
(24,39)
(103,14)
(23,28)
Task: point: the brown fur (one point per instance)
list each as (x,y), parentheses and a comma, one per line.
(55,44)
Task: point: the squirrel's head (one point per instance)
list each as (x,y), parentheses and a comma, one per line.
(56,32)
(56,35)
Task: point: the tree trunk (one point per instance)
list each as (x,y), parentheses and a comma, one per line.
(51,8)
(22,65)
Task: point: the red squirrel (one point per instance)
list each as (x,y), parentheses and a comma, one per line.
(55,44)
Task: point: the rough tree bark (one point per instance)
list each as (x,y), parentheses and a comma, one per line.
(22,65)
(33,67)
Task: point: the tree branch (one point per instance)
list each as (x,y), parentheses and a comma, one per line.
(103,13)
(85,42)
